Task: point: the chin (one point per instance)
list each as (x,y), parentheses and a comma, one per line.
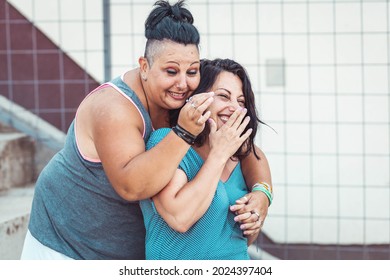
(171,105)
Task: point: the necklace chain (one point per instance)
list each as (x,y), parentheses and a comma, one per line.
(146,98)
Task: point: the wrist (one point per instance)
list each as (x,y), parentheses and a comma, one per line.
(264,188)
(188,137)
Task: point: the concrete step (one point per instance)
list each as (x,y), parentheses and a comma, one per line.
(15,207)
(17,153)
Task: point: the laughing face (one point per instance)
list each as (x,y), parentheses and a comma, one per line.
(173,75)
(228,96)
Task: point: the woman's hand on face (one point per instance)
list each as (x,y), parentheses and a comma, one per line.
(225,141)
(192,116)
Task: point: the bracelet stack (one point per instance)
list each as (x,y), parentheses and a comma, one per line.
(184,134)
(266,189)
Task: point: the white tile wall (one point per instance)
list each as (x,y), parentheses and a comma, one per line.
(376,196)
(297,108)
(269,17)
(349,49)
(375,17)
(221,18)
(299,138)
(351,171)
(376,109)
(351,231)
(375,48)
(324,138)
(244,24)
(376,79)
(71,10)
(323,108)
(321,17)
(377,172)
(322,49)
(298,169)
(323,79)
(377,230)
(376,139)
(350,138)
(294,18)
(324,173)
(298,230)
(351,202)
(324,203)
(325,231)
(296,49)
(347,17)
(350,108)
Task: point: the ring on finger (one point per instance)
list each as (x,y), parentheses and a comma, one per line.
(257,214)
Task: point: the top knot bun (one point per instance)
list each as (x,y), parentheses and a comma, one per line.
(172,22)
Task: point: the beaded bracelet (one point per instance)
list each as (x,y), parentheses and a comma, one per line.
(266,189)
(184,134)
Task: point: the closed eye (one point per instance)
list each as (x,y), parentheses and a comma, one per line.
(192,72)
(171,72)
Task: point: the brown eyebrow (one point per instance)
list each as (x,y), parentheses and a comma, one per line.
(195,62)
(225,90)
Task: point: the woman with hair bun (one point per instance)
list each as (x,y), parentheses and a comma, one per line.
(85,204)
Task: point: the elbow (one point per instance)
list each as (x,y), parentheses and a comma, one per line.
(181,226)
(130,194)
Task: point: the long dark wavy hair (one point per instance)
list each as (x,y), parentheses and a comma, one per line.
(209,72)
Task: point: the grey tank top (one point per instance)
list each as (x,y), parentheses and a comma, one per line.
(77,212)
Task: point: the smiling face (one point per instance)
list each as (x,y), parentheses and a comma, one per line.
(173,74)
(228,96)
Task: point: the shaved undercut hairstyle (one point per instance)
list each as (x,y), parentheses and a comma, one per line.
(169,22)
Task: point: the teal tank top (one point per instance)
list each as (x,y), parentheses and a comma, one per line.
(215,236)
(77,212)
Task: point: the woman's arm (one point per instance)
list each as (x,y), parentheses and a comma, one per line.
(254,170)
(182,203)
(110,128)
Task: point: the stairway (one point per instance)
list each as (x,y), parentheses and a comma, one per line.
(17,177)
(27,143)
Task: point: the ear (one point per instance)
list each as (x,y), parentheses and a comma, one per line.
(143,65)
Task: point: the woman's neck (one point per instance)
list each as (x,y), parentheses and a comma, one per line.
(158,115)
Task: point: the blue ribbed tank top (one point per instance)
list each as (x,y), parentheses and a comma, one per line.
(77,212)
(215,236)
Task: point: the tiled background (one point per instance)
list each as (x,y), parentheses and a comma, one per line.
(320,69)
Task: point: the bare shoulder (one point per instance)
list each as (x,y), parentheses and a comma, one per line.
(105,117)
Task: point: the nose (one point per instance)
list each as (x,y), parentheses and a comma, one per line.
(233,105)
(181,83)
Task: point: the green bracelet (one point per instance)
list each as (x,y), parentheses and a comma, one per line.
(260,187)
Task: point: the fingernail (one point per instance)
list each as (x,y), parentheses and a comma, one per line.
(244,110)
(242,227)
(235,219)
